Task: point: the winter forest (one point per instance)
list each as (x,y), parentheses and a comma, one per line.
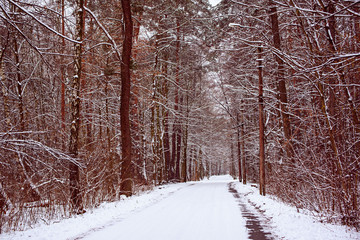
(107,98)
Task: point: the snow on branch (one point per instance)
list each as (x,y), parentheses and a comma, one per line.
(105,31)
(44,24)
(32,144)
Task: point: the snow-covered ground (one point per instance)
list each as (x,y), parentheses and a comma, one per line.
(285,222)
(193,210)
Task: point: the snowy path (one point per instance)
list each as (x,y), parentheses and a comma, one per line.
(214,209)
(204,210)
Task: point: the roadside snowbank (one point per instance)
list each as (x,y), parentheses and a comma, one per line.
(283,221)
(287,223)
(106,214)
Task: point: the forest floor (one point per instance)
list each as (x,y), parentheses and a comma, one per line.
(218,208)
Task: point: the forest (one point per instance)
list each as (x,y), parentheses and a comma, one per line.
(102,99)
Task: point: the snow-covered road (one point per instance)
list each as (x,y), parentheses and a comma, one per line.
(218,208)
(204,210)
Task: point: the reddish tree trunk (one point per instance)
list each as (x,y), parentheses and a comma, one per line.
(166,140)
(63,127)
(176,137)
(126,185)
(243,165)
(261,127)
(280,80)
(238,147)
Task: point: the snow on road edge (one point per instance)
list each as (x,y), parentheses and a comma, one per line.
(284,221)
(287,223)
(104,215)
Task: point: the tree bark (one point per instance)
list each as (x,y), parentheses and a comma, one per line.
(127,170)
(62,68)
(184,161)
(185,142)
(4,90)
(176,137)
(281,81)
(19,87)
(74,177)
(166,138)
(261,127)
(232,158)
(243,157)
(238,147)
(4,199)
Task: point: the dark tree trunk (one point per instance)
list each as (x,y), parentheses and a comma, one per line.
(280,80)
(178,152)
(173,153)
(184,161)
(176,137)
(166,144)
(238,147)
(166,138)
(63,127)
(185,142)
(74,178)
(127,170)
(261,127)
(232,158)
(243,157)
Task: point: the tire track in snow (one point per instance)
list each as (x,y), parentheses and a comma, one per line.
(253,223)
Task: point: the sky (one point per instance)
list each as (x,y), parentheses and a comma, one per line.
(214,2)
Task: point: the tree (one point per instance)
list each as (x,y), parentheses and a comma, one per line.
(74,178)
(127,169)
(261,126)
(280,80)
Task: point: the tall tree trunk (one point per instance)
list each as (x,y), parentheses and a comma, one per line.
(154,103)
(261,126)
(3,87)
(74,178)
(19,88)
(280,80)
(196,163)
(166,138)
(152,136)
(185,142)
(127,170)
(190,167)
(173,151)
(159,143)
(184,157)
(135,112)
(238,144)
(178,149)
(176,137)
(63,127)
(232,158)
(243,157)
(5,203)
